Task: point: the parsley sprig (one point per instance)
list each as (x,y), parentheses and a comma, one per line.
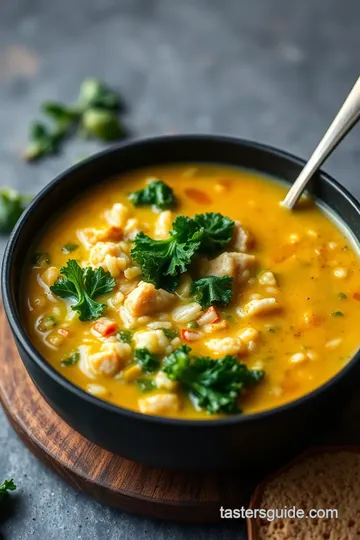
(84,285)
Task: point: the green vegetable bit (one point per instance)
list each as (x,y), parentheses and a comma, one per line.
(146,385)
(212,290)
(12,205)
(337,314)
(156,193)
(47,323)
(342,296)
(192,325)
(84,285)
(69,247)
(169,333)
(44,140)
(101,124)
(214,385)
(94,93)
(40,259)
(5,487)
(218,232)
(125,336)
(71,360)
(163,261)
(272,329)
(148,362)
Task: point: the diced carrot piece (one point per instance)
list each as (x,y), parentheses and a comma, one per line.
(105,327)
(63,332)
(190,335)
(198,196)
(113,233)
(209,317)
(356,296)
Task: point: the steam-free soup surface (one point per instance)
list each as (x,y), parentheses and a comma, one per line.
(288,315)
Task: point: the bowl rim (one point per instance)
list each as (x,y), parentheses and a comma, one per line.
(21,336)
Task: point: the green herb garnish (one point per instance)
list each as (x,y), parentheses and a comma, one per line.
(156,194)
(5,487)
(212,290)
(215,385)
(84,285)
(125,336)
(146,385)
(147,361)
(94,114)
(170,334)
(71,360)
(69,247)
(47,323)
(337,313)
(218,232)
(341,296)
(163,261)
(272,329)
(12,205)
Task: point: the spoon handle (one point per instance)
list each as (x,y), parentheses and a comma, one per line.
(341,125)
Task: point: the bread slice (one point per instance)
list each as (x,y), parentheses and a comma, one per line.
(321,478)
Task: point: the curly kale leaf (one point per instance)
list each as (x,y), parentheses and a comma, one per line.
(218,232)
(212,290)
(156,194)
(215,385)
(163,261)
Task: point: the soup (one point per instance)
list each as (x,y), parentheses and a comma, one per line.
(194,296)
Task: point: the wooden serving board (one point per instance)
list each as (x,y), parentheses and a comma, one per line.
(164,494)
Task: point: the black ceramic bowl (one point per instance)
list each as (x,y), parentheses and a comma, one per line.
(230,442)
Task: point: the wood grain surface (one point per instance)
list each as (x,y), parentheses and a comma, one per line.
(164,494)
(171,495)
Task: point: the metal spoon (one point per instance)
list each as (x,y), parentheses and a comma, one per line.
(347,116)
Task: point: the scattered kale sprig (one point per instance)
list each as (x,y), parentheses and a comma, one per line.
(84,285)
(5,487)
(94,114)
(212,290)
(12,205)
(214,385)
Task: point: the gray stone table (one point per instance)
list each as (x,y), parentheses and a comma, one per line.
(274,71)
